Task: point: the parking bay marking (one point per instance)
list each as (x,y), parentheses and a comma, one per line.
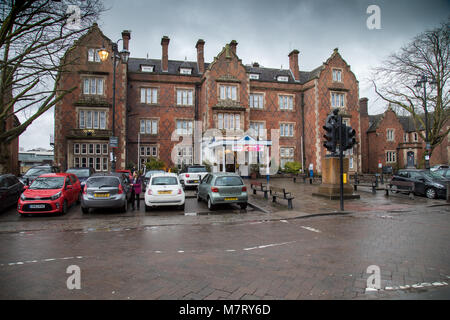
(42,260)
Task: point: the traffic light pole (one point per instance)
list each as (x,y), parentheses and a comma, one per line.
(341,163)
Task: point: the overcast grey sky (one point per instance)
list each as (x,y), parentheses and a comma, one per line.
(266,32)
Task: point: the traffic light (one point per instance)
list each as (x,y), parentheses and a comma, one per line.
(348,137)
(331,134)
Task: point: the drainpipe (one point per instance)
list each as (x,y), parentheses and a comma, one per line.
(303,132)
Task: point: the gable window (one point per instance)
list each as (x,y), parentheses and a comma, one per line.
(185,97)
(229,121)
(286,102)
(390,134)
(184,127)
(283,78)
(93,85)
(148,126)
(185,70)
(254,76)
(256,100)
(92,119)
(337,100)
(337,75)
(147,68)
(93,55)
(286,130)
(149,95)
(228,92)
(416,137)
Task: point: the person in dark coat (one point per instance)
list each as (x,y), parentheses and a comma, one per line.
(137,189)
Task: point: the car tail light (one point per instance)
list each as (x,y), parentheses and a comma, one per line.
(244,189)
(213,189)
(85,189)
(179,191)
(120,189)
(187,175)
(149,192)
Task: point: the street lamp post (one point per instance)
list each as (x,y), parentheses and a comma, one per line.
(422,83)
(123,55)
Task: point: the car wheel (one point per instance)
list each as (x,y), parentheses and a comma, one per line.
(181,207)
(64,207)
(394,189)
(210,205)
(430,193)
(147,208)
(84,210)
(243,206)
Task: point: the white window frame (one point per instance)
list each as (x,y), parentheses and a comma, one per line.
(93,86)
(185,71)
(228,92)
(93,55)
(184,126)
(256,100)
(391,156)
(150,126)
(337,99)
(92,119)
(286,102)
(283,78)
(287,129)
(287,154)
(337,75)
(228,121)
(185,97)
(254,76)
(149,95)
(390,134)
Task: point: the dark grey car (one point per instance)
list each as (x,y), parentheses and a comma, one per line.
(106,190)
(10,190)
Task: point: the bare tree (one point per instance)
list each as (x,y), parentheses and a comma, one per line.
(34,37)
(394,81)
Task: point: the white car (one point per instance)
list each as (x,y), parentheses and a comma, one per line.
(164,189)
(192,176)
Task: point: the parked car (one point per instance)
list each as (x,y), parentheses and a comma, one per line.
(35,172)
(222,187)
(128,172)
(445,173)
(439,166)
(10,190)
(192,175)
(50,193)
(82,174)
(164,189)
(427,183)
(148,174)
(106,190)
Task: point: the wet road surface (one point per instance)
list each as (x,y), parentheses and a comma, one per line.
(318,258)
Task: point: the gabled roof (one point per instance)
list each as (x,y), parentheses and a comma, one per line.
(407,122)
(134,65)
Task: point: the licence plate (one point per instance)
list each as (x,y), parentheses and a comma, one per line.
(101,195)
(195,181)
(229,199)
(37,206)
(164,192)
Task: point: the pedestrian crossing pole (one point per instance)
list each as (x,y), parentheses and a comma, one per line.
(341,163)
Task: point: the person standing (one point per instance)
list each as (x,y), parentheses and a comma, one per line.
(137,189)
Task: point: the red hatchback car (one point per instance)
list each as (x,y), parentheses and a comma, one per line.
(50,193)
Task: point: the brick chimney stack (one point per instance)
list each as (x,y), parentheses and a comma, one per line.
(363,106)
(293,64)
(126,36)
(200,55)
(233,45)
(165,53)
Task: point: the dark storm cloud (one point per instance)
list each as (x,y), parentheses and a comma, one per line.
(266,32)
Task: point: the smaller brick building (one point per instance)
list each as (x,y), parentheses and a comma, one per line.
(394,141)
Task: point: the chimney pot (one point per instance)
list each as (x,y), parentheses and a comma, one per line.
(293,64)
(126,36)
(233,45)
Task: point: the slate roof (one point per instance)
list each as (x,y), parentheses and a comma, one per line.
(265,74)
(407,122)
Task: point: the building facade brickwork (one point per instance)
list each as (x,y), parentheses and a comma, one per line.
(161,102)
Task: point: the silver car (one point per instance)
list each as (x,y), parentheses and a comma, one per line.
(106,191)
(222,187)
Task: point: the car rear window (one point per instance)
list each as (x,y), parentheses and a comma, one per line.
(164,181)
(102,182)
(80,173)
(149,173)
(48,183)
(229,181)
(197,169)
(38,171)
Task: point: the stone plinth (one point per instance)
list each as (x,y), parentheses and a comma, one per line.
(330,187)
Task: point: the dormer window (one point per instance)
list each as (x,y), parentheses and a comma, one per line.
(283,78)
(185,70)
(254,76)
(147,68)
